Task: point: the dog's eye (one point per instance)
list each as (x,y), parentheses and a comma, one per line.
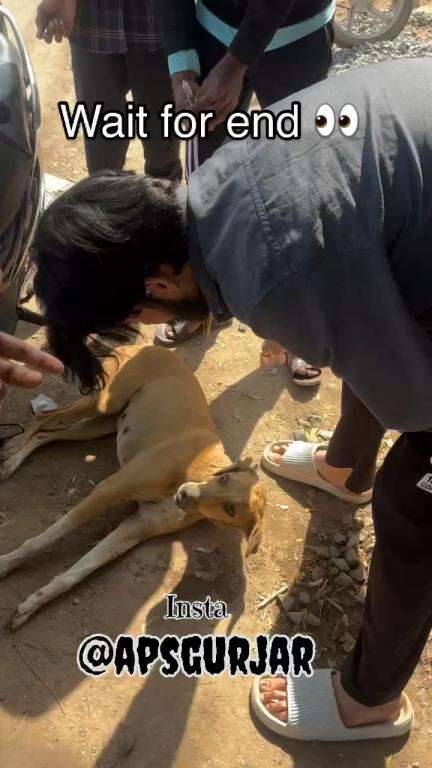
(230,509)
(224,480)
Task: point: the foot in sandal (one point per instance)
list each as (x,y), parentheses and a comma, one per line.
(302,374)
(171,334)
(177,331)
(319,708)
(306,463)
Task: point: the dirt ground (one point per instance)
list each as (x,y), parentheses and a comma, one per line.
(50,714)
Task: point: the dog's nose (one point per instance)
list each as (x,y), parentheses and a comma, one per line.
(187,494)
(181,498)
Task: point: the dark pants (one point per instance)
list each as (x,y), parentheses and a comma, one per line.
(398,611)
(108,78)
(278,74)
(356,442)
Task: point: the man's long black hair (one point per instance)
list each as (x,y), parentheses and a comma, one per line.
(95,245)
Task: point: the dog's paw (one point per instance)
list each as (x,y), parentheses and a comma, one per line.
(22,613)
(5,471)
(26,609)
(12,445)
(186,494)
(5,566)
(8,466)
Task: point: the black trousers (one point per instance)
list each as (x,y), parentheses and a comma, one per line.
(108,78)
(356,442)
(398,610)
(278,74)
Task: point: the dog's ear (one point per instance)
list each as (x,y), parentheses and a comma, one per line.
(258,506)
(242,465)
(248,463)
(226,470)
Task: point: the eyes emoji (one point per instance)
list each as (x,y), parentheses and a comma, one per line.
(325,120)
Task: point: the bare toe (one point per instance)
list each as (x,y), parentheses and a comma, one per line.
(274,696)
(277,453)
(306,372)
(273,684)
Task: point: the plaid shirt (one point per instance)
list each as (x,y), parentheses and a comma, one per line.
(118,26)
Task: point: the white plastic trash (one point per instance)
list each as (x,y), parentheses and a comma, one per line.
(43,404)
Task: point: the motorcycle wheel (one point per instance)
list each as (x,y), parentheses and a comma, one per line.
(348,36)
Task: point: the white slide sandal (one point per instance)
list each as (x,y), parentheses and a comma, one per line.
(313,714)
(298,464)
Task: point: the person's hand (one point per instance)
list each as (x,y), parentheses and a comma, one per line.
(221,89)
(27,376)
(180,99)
(14,351)
(55,19)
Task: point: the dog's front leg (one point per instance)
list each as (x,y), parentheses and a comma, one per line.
(115,489)
(123,538)
(160,519)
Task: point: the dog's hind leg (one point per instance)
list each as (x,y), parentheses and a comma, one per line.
(114,490)
(60,419)
(87,429)
(160,519)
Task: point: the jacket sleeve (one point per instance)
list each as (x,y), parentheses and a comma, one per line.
(262,19)
(347,313)
(179,20)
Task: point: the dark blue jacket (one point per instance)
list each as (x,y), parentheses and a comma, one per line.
(325,244)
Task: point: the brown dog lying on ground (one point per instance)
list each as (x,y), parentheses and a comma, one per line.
(172,463)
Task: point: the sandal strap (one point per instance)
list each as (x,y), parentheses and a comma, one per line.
(295,363)
(301,455)
(312,706)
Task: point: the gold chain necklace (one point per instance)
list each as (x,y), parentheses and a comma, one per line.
(208,324)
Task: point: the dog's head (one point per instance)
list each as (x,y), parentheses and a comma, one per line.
(232,496)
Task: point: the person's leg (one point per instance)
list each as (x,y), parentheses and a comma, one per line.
(352,452)
(151,85)
(398,611)
(101,77)
(349,462)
